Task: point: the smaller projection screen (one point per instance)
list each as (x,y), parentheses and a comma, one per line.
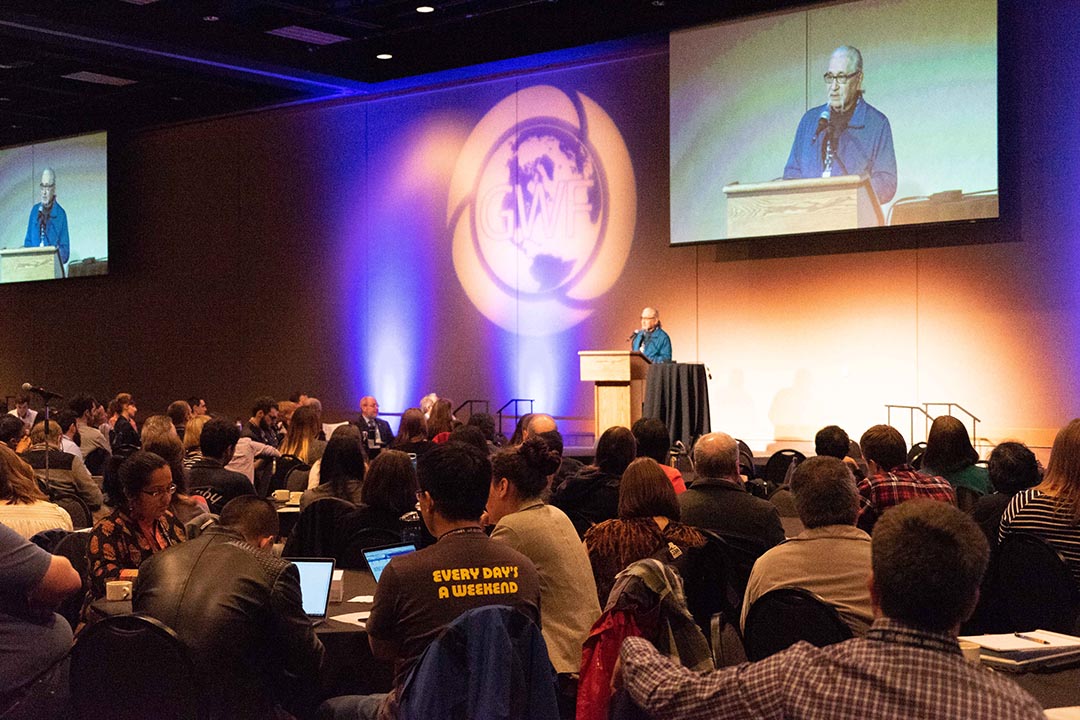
(776,129)
(54,209)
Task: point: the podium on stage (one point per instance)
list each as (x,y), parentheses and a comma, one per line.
(30,263)
(783,207)
(618,378)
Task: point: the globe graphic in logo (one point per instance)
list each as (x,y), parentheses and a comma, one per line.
(533,230)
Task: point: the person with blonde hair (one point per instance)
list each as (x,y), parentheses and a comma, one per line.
(1051,509)
(302,439)
(193,439)
(23,507)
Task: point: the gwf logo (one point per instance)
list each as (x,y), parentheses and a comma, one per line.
(542,206)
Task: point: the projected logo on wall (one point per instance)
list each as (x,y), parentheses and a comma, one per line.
(542,206)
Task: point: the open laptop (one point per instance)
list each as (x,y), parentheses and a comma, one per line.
(379,557)
(316,574)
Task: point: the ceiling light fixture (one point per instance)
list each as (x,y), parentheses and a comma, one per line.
(425,9)
(384,56)
(210,18)
(99,78)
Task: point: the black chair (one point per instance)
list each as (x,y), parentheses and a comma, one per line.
(132,667)
(81,517)
(776,469)
(746,461)
(316,531)
(1030,587)
(351,553)
(782,617)
(966,498)
(915,455)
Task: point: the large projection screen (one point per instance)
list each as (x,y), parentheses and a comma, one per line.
(739,90)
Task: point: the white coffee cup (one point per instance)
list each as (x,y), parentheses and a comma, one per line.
(971,651)
(118,590)
(281,495)
(294,497)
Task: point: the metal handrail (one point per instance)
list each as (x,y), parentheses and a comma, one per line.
(486,403)
(517,414)
(948,409)
(911,418)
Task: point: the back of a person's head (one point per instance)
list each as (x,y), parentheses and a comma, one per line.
(470,435)
(1063,469)
(390,483)
(458,478)
(81,404)
(65,419)
(441,418)
(11,429)
(832,441)
(716,455)
(526,466)
(884,445)
(155,426)
(1013,467)
(824,492)
(485,422)
(343,459)
(948,447)
(265,403)
(250,516)
(37,433)
(305,423)
(519,429)
(178,411)
(17,482)
(540,423)
(193,431)
(652,439)
(645,492)
(928,560)
(218,435)
(615,450)
(413,426)
(554,441)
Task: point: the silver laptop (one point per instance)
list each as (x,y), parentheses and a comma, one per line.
(316,574)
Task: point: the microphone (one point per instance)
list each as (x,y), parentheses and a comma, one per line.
(633,335)
(823,122)
(27,387)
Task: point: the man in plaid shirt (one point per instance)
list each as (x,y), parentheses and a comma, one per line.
(891,480)
(928,559)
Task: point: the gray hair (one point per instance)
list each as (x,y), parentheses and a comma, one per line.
(825,493)
(716,455)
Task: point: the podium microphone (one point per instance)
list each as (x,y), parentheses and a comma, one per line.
(822,123)
(27,387)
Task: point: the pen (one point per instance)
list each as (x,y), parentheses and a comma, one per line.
(1022,636)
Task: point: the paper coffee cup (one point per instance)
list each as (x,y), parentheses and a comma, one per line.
(970,650)
(118,590)
(281,495)
(294,497)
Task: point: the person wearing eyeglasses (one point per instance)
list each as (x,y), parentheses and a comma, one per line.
(650,339)
(141,526)
(846,135)
(48,222)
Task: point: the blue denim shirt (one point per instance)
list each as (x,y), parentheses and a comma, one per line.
(56,231)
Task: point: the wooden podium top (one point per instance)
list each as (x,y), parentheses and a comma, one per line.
(613,365)
(841,181)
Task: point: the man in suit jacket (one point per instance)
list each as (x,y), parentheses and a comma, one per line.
(377,433)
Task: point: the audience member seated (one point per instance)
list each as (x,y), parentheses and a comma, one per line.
(470,436)
(833,441)
(33,638)
(249,456)
(66,472)
(546,536)
(388,492)
(949,454)
(1012,467)
(519,429)
(341,468)
(302,440)
(568,466)
(648,521)
(1051,509)
(122,432)
(262,426)
(23,507)
(831,558)
(719,501)
(654,442)
(592,496)
(238,610)
(208,476)
(95,446)
(536,424)
(486,423)
(13,433)
(193,438)
(928,560)
(891,481)
(179,411)
(421,593)
(159,437)
(440,422)
(68,434)
(412,433)
(23,411)
(375,432)
(141,526)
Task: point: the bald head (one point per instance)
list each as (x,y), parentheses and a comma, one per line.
(650,318)
(716,455)
(48,186)
(538,423)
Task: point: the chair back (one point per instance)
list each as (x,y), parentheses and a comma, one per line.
(1031,588)
(776,469)
(915,455)
(132,667)
(74,546)
(81,517)
(746,461)
(782,617)
(353,544)
(966,498)
(316,531)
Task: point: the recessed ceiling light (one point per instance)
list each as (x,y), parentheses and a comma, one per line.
(425,9)
(139,2)
(98,78)
(210,18)
(384,56)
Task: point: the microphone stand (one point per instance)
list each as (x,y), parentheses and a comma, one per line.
(46,397)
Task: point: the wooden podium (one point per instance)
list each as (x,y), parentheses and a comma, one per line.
(30,263)
(783,207)
(618,378)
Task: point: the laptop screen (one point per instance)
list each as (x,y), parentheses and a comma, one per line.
(315,577)
(379,557)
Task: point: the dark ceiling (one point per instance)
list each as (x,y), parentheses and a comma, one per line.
(176,60)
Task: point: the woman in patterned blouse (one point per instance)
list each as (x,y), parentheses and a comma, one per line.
(140,527)
(648,520)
